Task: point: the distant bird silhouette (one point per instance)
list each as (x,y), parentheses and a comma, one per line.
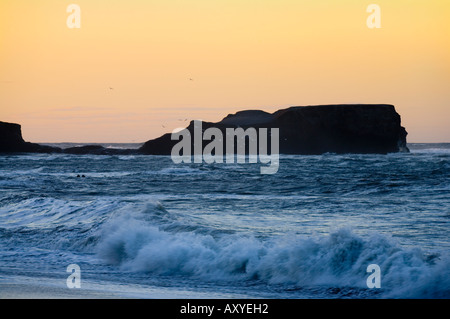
(191,79)
(111,88)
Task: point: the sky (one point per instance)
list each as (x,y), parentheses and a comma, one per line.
(136,69)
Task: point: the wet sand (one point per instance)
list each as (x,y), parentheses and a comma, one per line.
(20,287)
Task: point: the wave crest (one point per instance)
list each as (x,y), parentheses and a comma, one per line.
(337,260)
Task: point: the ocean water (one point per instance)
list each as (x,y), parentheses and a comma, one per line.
(142,226)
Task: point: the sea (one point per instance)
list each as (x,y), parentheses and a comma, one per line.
(139,226)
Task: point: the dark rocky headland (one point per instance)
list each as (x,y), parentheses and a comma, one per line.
(308,130)
(11,141)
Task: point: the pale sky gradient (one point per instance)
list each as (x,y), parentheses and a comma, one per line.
(241,54)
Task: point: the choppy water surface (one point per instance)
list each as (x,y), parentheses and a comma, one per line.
(308,231)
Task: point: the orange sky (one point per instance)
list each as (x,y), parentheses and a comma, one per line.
(241,54)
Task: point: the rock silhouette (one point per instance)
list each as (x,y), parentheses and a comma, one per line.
(11,141)
(318,129)
(311,130)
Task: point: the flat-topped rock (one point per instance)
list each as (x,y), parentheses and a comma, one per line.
(317,129)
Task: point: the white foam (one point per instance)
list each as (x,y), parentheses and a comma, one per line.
(337,260)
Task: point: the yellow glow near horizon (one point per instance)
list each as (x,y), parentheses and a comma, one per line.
(240,54)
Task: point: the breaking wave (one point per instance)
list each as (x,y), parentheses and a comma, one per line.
(337,260)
